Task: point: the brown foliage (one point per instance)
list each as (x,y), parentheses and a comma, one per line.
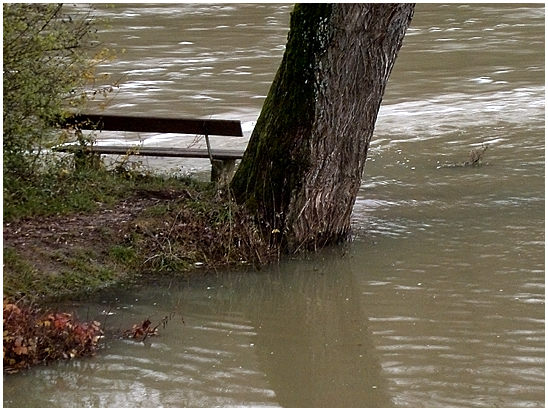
(141,331)
(210,232)
(32,337)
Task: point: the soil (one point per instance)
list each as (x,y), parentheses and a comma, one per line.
(57,232)
(44,242)
(50,245)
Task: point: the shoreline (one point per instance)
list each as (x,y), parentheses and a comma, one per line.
(169,231)
(183,230)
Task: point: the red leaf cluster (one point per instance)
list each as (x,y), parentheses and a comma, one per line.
(141,331)
(32,337)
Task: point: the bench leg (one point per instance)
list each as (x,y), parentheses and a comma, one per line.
(222,171)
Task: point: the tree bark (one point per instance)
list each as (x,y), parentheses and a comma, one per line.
(302,168)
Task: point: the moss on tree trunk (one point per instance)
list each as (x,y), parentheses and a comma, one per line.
(277,157)
(302,169)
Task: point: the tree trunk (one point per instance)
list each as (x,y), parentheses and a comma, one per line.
(302,169)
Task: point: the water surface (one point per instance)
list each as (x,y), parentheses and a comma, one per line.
(438,301)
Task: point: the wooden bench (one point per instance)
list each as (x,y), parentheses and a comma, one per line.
(222,161)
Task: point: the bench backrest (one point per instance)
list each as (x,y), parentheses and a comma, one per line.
(155,124)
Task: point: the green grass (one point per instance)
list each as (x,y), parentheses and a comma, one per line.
(185,222)
(122,254)
(24,281)
(58,191)
(60,194)
(36,272)
(81,274)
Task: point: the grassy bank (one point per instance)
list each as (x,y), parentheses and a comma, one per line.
(87,230)
(69,234)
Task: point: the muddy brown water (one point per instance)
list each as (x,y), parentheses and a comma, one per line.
(438,301)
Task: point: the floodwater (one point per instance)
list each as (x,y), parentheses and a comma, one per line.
(439,300)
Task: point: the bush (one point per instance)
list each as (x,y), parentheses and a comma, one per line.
(47,57)
(32,337)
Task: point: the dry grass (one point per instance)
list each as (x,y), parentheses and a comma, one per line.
(204,230)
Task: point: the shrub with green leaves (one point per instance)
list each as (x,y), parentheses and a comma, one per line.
(46,57)
(50,53)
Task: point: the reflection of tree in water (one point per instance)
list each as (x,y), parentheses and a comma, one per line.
(312,340)
(297,331)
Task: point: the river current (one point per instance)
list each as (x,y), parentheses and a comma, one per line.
(439,299)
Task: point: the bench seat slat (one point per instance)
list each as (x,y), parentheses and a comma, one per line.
(217,154)
(155,124)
